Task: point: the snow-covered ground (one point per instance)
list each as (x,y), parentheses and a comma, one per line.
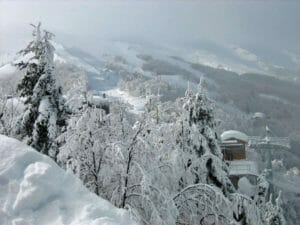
(137,103)
(35,191)
(6,71)
(63,56)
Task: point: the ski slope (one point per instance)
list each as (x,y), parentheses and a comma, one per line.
(137,104)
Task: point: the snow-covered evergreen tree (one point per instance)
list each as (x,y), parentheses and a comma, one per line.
(43,118)
(30,62)
(200,154)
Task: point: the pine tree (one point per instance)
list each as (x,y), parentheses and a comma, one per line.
(43,118)
(198,140)
(202,176)
(30,62)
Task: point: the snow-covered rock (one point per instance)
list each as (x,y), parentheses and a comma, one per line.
(245,187)
(35,191)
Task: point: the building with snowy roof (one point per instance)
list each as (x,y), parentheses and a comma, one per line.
(243,168)
(234,147)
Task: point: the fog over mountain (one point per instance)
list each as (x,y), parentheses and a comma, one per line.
(149,112)
(269,29)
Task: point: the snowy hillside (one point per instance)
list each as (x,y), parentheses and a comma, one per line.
(143,62)
(35,191)
(149,113)
(6,71)
(156,156)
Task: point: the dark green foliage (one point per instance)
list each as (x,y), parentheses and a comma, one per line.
(25,88)
(44,116)
(42,142)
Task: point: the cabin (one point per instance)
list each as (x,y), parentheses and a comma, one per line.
(234,148)
(233,145)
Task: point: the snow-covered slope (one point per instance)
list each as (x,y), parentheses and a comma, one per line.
(61,55)
(35,191)
(136,103)
(6,71)
(64,55)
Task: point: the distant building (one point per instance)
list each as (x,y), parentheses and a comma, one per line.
(259,115)
(243,172)
(243,168)
(234,147)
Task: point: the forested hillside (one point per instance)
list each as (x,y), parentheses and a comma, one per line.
(140,132)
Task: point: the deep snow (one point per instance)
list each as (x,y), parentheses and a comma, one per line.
(137,103)
(35,191)
(6,71)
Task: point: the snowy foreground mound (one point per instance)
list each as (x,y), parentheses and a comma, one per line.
(35,191)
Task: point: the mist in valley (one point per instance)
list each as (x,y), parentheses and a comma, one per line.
(131,81)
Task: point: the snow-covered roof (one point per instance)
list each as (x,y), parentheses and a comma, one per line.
(259,115)
(234,134)
(32,184)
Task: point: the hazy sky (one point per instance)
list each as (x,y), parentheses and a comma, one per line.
(273,24)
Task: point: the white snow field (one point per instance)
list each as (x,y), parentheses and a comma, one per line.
(35,191)
(6,71)
(137,103)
